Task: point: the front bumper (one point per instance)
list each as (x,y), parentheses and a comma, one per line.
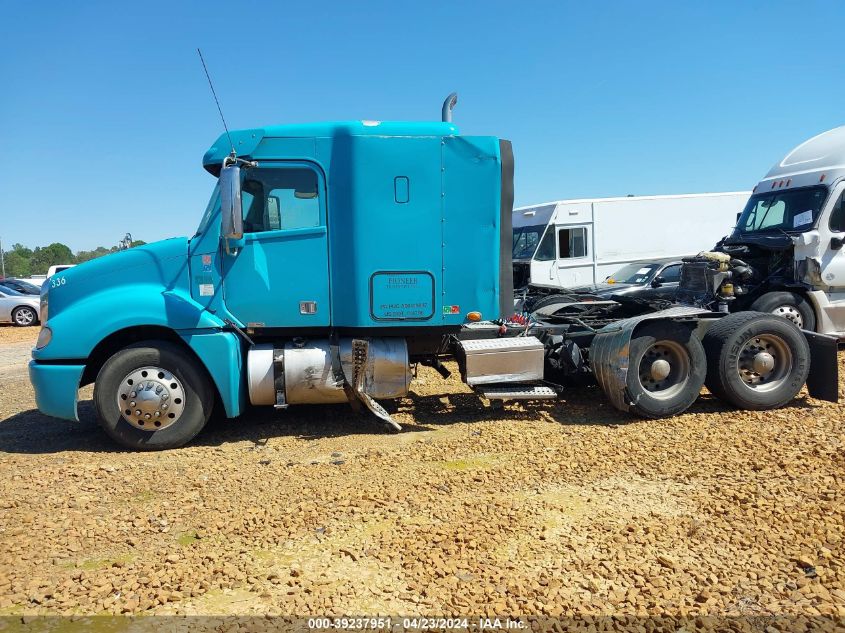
(56,388)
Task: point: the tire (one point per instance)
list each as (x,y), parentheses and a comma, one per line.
(664,347)
(159,368)
(733,346)
(24,316)
(789,305)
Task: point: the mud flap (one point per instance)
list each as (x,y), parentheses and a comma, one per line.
(823,381)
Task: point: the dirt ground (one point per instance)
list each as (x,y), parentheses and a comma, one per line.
(12,334)
(555,508)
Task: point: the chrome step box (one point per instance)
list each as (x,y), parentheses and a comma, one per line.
(501,360)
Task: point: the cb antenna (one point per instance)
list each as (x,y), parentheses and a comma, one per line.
(217,101)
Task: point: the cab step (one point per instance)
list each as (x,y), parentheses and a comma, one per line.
(517,392)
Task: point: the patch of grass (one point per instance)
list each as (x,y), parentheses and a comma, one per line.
(471,463)
(187,538)
(92,564)
(263,555)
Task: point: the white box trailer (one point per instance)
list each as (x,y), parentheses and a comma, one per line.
(580,242)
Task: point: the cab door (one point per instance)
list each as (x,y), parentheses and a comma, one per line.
(278,274)
(574,265)
(542,267)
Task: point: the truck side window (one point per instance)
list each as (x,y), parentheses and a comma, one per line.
(572,242)
(276,198)
(837,216)
(546,249)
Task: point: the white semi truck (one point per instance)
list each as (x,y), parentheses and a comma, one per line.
(572,243)
(785,253)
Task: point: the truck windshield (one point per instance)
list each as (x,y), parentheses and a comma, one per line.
(633,274)
(213,206)
(525,240)
(789,210)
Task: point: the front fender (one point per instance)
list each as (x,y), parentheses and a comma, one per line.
(80,327)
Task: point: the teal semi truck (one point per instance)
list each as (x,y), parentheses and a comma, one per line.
(331,259)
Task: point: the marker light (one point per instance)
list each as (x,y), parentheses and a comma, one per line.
(821,178)
(473,316)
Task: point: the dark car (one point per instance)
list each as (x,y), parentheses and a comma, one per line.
(652,280)
(23,287)
(637,277)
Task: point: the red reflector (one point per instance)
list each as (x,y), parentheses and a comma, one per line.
(821,178)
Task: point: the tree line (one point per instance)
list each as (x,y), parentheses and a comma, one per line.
(21,261)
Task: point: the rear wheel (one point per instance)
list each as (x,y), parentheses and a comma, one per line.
(788,305)
(152,396)
(756,361)
(666,370)
(22,316)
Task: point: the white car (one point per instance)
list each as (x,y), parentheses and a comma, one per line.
(18,309)
(38,280)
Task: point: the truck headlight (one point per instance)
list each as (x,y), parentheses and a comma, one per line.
(44,337)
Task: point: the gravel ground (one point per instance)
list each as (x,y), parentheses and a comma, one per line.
(564,508)
(15,347)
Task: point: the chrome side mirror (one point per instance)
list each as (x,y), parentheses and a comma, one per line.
(231,212)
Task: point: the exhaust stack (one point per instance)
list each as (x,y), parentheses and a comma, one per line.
(448,105)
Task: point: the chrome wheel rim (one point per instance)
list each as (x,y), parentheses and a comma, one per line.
(24,316)
(664,369)
(151,398)
(764,362)
(790,312)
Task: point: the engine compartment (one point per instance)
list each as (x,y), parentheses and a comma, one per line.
(735,273)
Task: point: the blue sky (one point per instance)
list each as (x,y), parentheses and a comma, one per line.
(106,114)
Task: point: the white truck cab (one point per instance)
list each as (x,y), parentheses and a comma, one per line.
(785,254)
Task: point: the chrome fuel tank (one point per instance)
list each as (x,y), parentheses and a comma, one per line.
(303,371)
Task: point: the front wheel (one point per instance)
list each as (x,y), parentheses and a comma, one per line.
(666,370)
(790,306)
(24,316)
(152,396)
(756,361)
